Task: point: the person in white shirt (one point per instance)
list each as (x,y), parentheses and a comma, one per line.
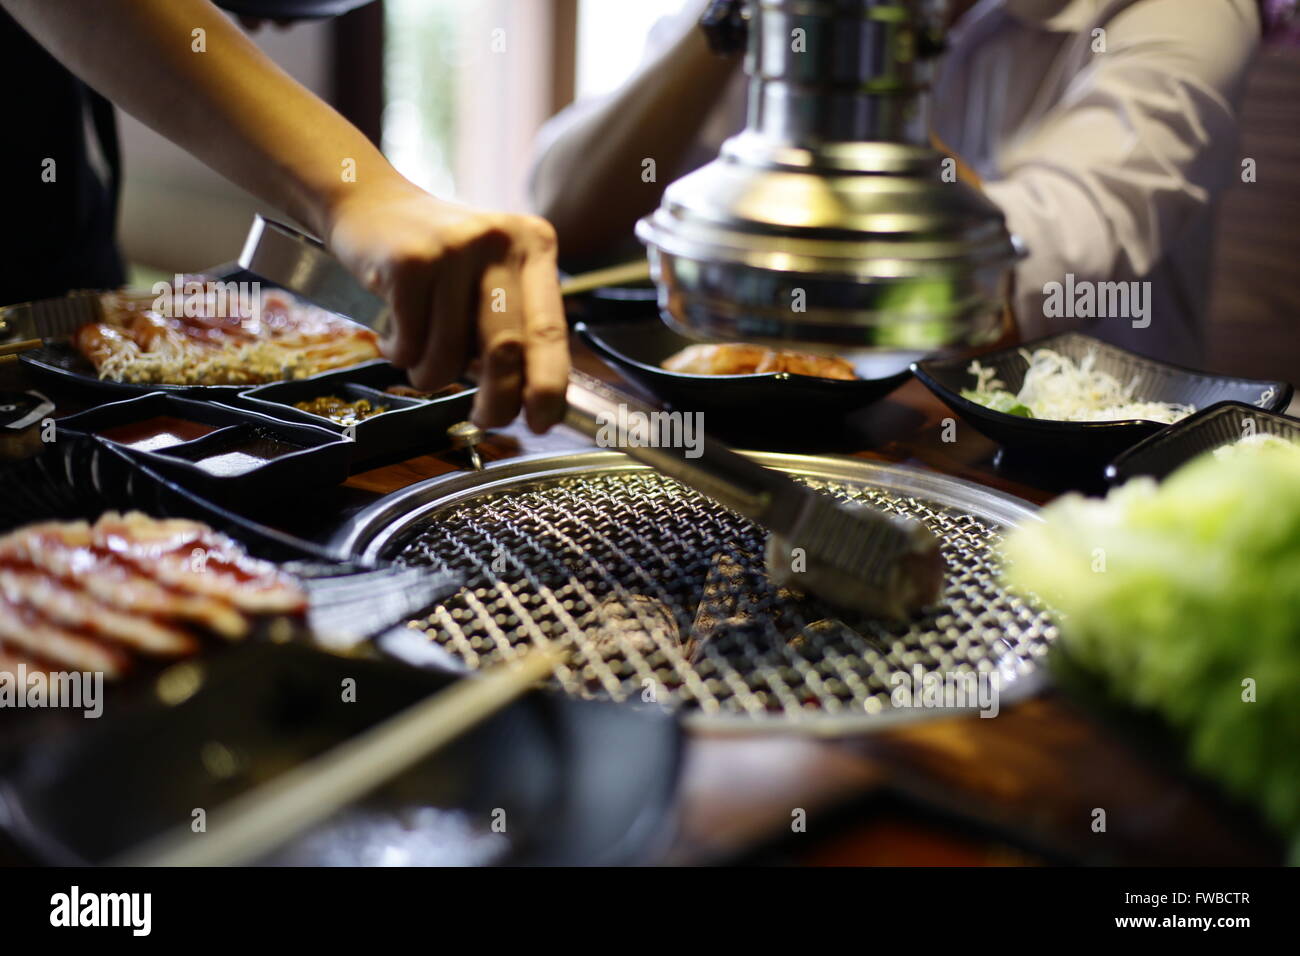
(1105,130)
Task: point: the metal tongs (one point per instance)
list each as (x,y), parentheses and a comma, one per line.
(858,556)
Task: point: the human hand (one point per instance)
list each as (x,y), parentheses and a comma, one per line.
(462,282)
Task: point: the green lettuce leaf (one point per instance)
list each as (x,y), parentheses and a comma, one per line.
(1185,598)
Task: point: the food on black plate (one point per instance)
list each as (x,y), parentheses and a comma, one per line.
(211,339)
(1057,389)
(409,391)
(740,359)
(94,597)
(229,464)
(161,431)
(239,455)
(340,410)
(1184,599)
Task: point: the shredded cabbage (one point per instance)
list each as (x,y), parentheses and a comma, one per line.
(1057,389)
(1185,598)
(1254,443)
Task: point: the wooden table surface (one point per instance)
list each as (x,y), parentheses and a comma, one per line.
(1023,787)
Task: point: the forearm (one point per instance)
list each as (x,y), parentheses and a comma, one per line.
(589,183)
(229,105)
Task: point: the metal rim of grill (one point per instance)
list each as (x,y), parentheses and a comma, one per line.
(599,551)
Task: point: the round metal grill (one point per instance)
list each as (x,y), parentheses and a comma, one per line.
(661,596)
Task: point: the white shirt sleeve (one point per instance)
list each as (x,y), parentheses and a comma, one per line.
(1140,145)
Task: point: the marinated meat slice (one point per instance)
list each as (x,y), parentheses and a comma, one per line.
(11,661)
(67,551)
(71,607)
(192,557)
(97,597)
(23,628)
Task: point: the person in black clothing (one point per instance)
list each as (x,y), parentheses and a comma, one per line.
(60,160)
(460,281)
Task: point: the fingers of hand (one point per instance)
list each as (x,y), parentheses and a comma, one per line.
(547,337)
(447,347)
(501,343)
(409,287)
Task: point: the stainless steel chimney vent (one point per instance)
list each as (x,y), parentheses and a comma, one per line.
(831,220)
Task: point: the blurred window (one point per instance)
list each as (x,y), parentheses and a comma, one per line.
(611,40)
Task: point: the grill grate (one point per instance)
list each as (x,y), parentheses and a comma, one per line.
(662,596)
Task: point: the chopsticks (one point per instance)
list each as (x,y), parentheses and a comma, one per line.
(614,275)
(255,823)
(10,351)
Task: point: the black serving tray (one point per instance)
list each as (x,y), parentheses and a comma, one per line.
(80,477)
(1086,446)
(580,782)
(635,349)
(323,461)
(1211,428)
(62,366)
(409,427)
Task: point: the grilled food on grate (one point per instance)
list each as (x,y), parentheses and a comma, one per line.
(856,556)
(860,558)
(701,620)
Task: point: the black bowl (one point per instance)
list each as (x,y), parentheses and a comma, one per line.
(635,349)
(580,782)
(1211,428)
(617,303)
(1088,445)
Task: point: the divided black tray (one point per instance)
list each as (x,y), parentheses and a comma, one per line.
(322,460)
(1211,428)
(409,427)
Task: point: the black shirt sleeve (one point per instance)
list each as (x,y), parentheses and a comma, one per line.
(60,211)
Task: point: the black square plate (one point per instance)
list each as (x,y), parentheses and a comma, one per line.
(1090,444)
(321,459)
(1211,428)
(410,426)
